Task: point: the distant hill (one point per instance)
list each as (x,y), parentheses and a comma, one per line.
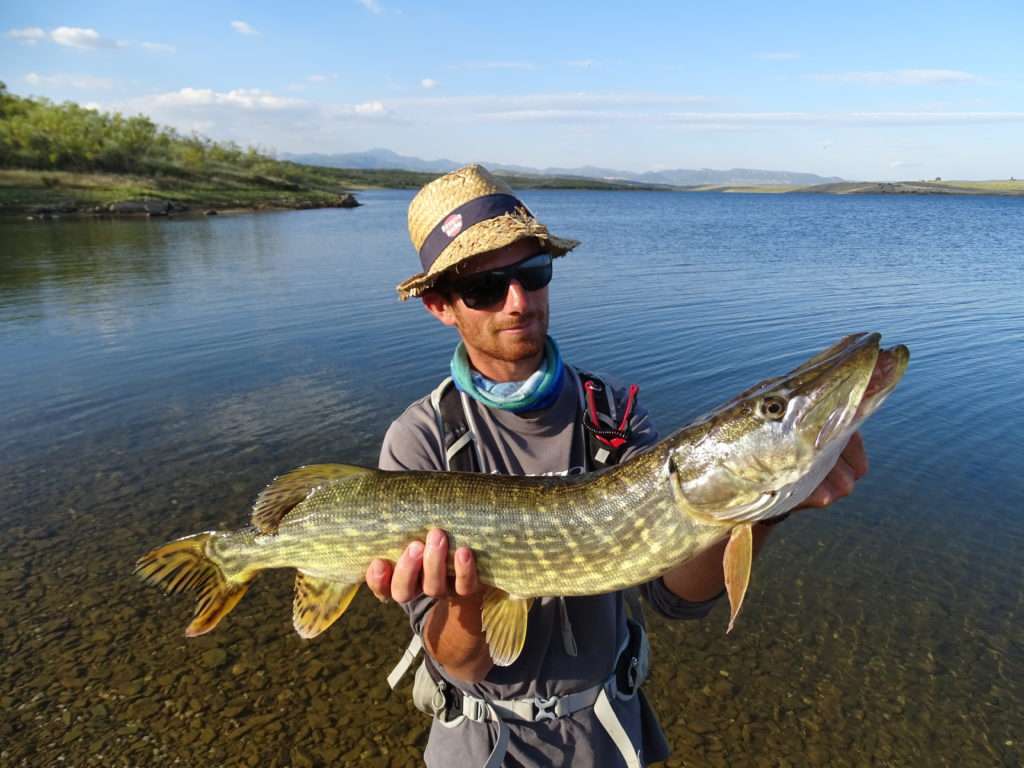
(380,159)
(374,160)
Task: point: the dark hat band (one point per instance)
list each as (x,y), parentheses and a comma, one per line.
(462,218)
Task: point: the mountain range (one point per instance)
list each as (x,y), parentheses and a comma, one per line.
(381,159)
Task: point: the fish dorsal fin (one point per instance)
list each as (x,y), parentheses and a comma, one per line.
(739,556)
(319,603)
(285,492)
(504,621)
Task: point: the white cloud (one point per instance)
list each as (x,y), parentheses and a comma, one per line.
(85,38)
(372,6)
(243,28)
(580,64)
(901,77)
(242,106)
(777,56)
(27,35)
(242,98)
(80,37)
(158,47)
(322,78)
(429,83)
(369,108)
(904,164)
(84,82)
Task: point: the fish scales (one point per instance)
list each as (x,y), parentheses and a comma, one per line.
(754,458)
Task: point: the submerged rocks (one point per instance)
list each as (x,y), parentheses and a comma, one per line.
(55,209)
(214,658)
(146,207)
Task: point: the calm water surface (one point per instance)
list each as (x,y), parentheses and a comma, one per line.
(156,374)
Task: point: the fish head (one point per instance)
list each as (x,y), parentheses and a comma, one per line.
(765,451)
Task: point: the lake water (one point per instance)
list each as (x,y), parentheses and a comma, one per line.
(157,373)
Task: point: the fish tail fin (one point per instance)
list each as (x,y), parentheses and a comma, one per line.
(184,565)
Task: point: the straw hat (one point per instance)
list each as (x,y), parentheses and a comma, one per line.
(463,214)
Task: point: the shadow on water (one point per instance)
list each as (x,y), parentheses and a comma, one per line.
(158,374)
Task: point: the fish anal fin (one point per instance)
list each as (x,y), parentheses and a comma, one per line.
(319,603)
(285,492)
(214,607)
(738,560)
(504,621)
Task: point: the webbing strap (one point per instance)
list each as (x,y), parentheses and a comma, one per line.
(613,727)
(536,710)
(530,710)
(497,756)
(457,446)
(408,657)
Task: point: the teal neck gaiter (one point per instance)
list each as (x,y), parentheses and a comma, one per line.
(537,392)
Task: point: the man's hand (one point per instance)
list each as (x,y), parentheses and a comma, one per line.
(851,467)
(452,631)
(423,569)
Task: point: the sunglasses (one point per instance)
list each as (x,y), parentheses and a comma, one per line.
(482,290)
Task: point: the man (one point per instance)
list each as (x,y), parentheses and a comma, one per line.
(486,266)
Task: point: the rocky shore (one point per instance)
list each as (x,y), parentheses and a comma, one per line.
(156,208)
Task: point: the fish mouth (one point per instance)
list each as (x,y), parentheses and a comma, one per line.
(873,371)
(889,368)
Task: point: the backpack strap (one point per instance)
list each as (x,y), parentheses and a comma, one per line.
(458,440)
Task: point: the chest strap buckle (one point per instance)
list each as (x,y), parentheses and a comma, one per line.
(545,708)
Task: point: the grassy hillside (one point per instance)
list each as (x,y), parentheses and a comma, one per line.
(63,158)
(67,157)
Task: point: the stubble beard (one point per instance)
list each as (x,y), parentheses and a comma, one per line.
(489,339)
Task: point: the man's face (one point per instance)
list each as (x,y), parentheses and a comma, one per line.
(504,339)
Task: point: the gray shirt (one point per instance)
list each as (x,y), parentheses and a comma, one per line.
(546,442)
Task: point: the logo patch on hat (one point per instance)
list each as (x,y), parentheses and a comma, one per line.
(452,225)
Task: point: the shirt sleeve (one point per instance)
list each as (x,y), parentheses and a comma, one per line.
(671,606)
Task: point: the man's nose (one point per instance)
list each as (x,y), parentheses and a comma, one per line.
(516,298)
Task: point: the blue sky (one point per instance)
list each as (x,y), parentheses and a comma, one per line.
(868,91)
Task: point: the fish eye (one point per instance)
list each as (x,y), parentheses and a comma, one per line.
(773,407)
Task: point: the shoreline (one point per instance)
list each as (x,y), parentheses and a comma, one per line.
(49,194)
(42,195)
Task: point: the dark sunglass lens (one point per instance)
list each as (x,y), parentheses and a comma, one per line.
(484,290)
(534,278)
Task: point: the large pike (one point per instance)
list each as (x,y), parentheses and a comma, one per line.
(752,459)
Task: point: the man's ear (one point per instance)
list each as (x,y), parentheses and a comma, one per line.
(437,304)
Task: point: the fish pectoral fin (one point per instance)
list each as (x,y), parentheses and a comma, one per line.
(285,492)
(504,621)
(739,557)
(319,603)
